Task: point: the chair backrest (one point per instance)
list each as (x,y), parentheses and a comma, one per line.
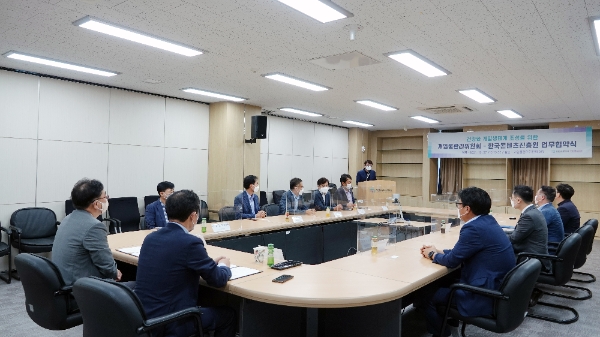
(108,308)
(34,222)
(271,209)
(277,196)
(587,240)
(594,224)
(203,211)
(262,198)
(567,251)
(125,210)
(69,208)
(150,199)
(227,213)
(41,279)
(518,285)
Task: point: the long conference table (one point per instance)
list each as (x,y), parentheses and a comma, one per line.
(356,295)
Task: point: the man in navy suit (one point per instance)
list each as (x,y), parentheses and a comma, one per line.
(246,203)
(543,199)
(367,173)
(484,252)
(322,196)
(344,195)
(568,211)
(155,212)
(293,202)
(170,264)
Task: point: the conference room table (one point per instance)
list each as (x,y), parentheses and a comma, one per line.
(357,295)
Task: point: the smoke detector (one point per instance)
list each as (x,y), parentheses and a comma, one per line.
(448,109)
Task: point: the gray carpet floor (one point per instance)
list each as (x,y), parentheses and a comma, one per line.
(14,321)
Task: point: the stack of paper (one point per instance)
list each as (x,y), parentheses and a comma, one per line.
(239,272)
(135,251)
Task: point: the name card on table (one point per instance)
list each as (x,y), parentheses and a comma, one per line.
(384,208)
(297,219)
(361,211)
(220,227)
(337,214)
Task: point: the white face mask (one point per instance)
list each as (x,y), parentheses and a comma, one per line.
(301,191)
(324,190)
(536,200)
(458,212)
(104,207)
(256,188)
(348,186)
(512,203)
(368,168)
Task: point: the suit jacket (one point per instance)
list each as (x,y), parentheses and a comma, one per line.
(170,263)
(322,204)
(486,256)
(531,234)
(362,176)
(556,232)
(341,198)
(242,206)
(569,215)
(288,199)
(155,215)
(80,248)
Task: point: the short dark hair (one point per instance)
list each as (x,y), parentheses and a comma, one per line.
(295,182)
(249,180)
(322,181)
(85,192)
(368,161)
(181,204)
(345,177)
(477,199)
(549,192)
(566,191)
(163,186)
(524,192)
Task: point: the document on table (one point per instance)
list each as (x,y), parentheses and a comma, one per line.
(239,272)
(135,251)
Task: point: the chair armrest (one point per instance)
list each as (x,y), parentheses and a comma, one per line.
(480,291)
(550,243)
(157,322)
(57,223)
(63,291)
(539,257)
(7,230)
(116,223)
(15,229)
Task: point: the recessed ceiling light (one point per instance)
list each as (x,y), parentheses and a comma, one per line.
(59,64)
(301,112)
(213,94)
(425,119)
(323,10)
(97,25)
(477,95)
(510,113)
(294,81)
(358,123)
(419,63)
(595,23)
(376,105)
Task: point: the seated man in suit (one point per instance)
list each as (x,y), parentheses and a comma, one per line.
(531,232)
(543,199)
(246,203)
(367,173)
(344,195)
(80,247)
(567,209)
(170,264)
(155,212)
(292,201)
(322,196)
(484,252)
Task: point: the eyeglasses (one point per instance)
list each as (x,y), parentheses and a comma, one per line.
(458,203)
(104,197)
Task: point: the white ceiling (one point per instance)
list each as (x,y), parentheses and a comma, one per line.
(534,56)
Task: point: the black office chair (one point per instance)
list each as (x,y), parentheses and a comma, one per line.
(126,212)
(271,209)
(113,225)
(594,224)
(262,198)
(227,213)
(562,270)
(277,196)
(511,300)
(5,250)
(33,229)
(150,199)
(112,309)
(48,300)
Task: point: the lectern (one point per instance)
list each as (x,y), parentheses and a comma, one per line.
(375,192)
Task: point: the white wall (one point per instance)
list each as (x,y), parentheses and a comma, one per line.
(300,149)
(53,133)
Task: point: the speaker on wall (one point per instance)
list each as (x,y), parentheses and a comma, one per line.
(259,127)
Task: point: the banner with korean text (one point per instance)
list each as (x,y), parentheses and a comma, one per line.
(541,143)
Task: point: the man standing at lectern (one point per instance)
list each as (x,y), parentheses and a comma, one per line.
(366,173)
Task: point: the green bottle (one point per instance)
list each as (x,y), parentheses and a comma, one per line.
(203,225)
(270,255)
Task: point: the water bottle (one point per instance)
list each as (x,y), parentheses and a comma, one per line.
(327,215)
(270,255)
(203,225)
(374,245)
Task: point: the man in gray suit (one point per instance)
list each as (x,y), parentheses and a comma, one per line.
(80,247)
(531,233)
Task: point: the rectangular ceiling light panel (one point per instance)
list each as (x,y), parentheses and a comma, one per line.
(213,94)
(510,113)
(323,11)
(294,81)
(425,119)
(595,22)
(376,105)
(301,112)
(358,123)
(58,64)
(477,95)
(94,24)
(419,63)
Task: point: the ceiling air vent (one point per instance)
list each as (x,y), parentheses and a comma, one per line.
(450,109)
